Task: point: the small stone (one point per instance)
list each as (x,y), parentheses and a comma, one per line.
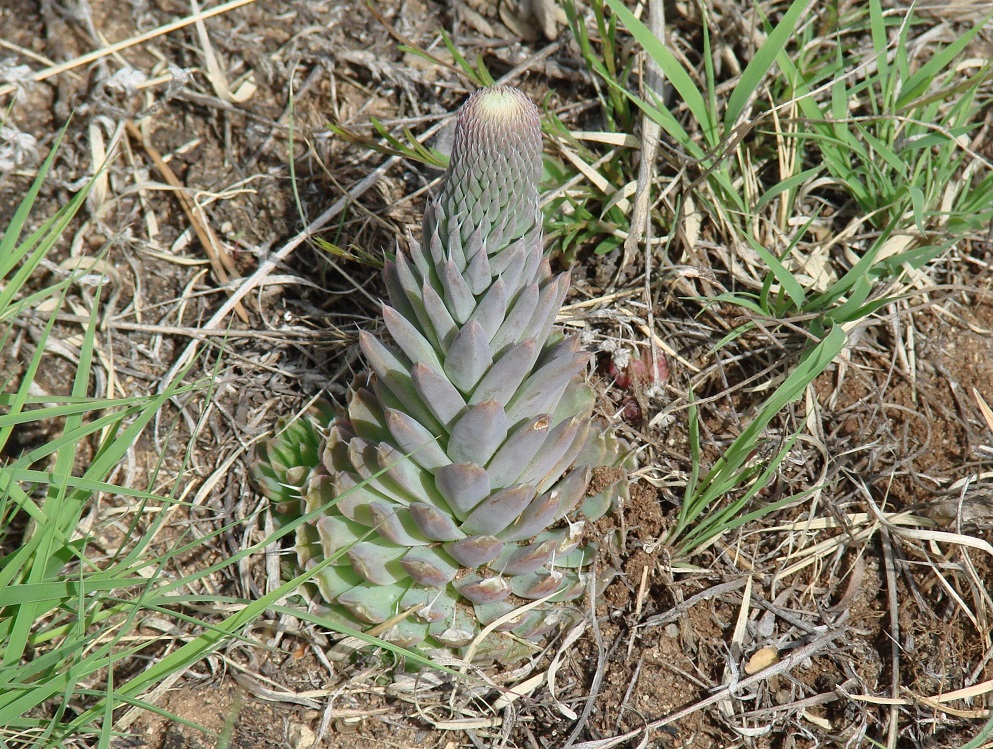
(300,736)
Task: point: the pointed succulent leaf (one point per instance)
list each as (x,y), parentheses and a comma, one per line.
(377,561)
(429,568)
(525,559)
(478,273)
(492,309)
(498,511)
(474,551)
(433,523)
(549,302)
(332,581)
(455,250)
(395,376)
(487,613)
(366,415)
(415,440)
(521,312)
(440,604)
(539,584)
(457,632)
(416,347)
(521,446)
(478,433)
(468,357)
(463,486)
(395,291)
(395,524)
(337,535)
(542,391)
(572,489)
(371,604)
(437,393)
(541,513)
(559,440)
(414,483)
(507,373)
(509,264)
(483,590)
(442,322)
(457,294)
(568,459)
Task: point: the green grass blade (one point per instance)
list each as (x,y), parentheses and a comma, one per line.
(758,67)
(673,70)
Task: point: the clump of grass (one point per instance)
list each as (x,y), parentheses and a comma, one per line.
(72,597)
(760,158)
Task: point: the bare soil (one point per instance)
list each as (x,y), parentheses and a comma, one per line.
(664,637)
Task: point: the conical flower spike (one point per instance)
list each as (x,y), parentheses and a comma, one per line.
(448,489)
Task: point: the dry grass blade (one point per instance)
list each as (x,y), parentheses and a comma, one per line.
(219,257)
(86,59)
(653,84)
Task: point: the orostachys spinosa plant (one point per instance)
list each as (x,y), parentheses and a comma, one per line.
(453,491)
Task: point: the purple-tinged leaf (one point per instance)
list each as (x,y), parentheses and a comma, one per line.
(410,339)
(394,523)
(499,511)
(549,303)
(508,265)
(474,551)
(366,415)
(438,394)
(442,322)
(525,559)
(538,584)
(337,535)
(415,440)
(483,590)
(515,454)
(571,489)
(569,456)
(457,294)
(560,439)
(415,483)
(429,568)
(521,312)
(394,374)
(394,289)
(541,391)
(478,238)
(433,523)
(468,357)
(463,486)
(541,513)
(478,433)
(503,379)
(455,250)
(492,309)
(477,274)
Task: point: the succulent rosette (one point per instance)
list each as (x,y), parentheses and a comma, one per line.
(453,490)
